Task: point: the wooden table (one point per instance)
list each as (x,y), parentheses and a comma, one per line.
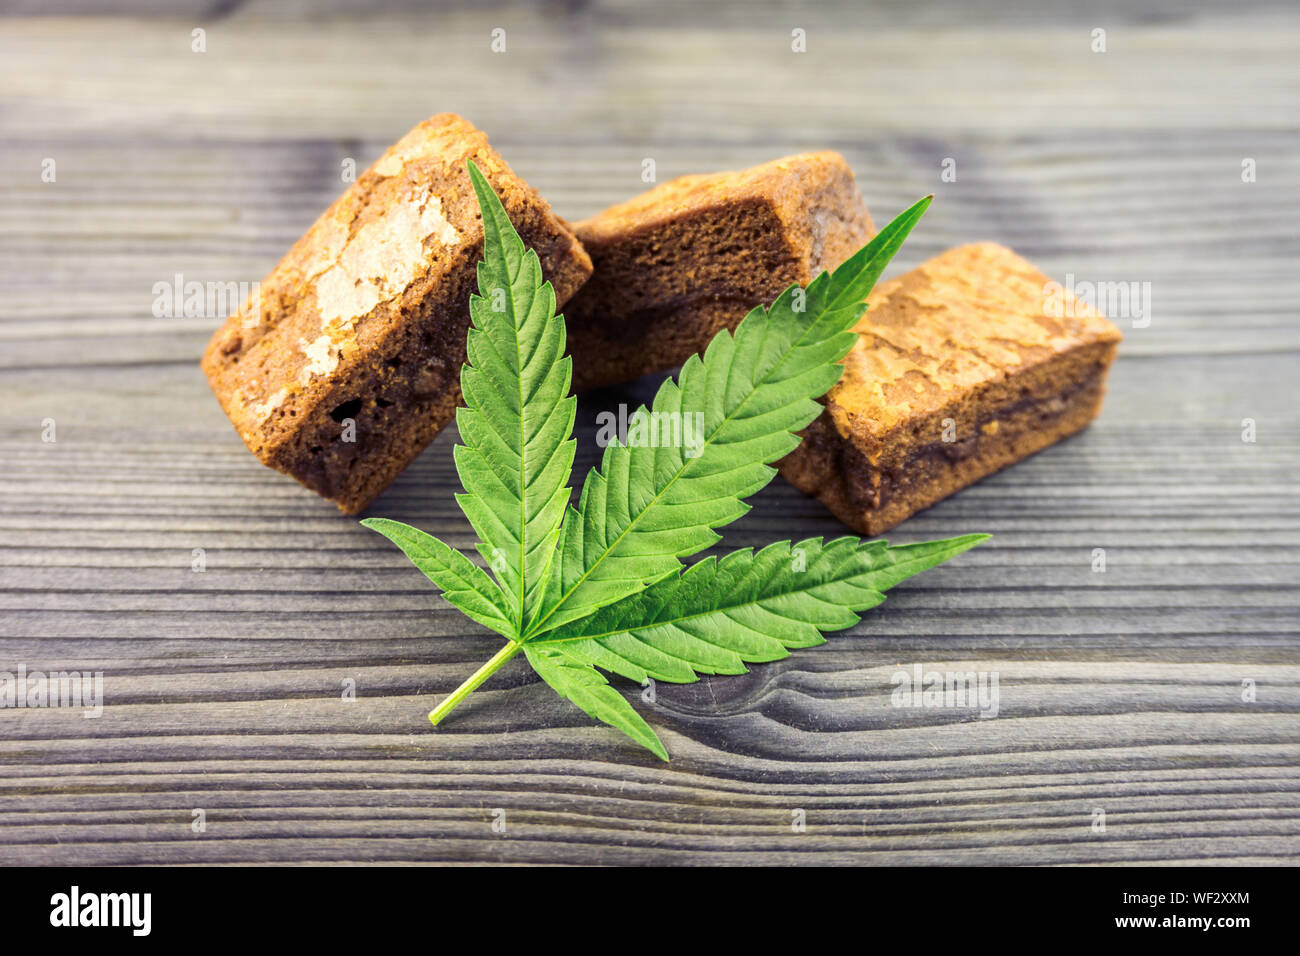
(1121,691)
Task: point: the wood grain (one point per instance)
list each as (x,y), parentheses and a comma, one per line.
(1120,691)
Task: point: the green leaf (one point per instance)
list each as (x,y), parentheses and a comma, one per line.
(588,688)
(746,608)
(517,451)
(648,507)
(904,560)
(600,585)
(464,584)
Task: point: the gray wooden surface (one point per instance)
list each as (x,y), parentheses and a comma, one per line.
(1119,691)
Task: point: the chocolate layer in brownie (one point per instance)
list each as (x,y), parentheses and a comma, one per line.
(686,259)
(347,361)
(965,365)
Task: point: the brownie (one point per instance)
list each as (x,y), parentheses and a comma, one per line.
(346,363)
(678,263)
(965,365)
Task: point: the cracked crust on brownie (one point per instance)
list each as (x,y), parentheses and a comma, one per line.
(965,365)
(359,332)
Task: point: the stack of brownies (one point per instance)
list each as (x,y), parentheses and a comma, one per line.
(964,365)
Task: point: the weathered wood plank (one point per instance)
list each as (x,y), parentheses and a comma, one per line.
(639,72)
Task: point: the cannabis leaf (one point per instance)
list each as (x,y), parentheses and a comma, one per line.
(586,687)
(464,584)
(647,507)
(718,615)
(602,585)
(517,423)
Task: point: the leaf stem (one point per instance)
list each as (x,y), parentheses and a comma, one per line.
(479,676)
